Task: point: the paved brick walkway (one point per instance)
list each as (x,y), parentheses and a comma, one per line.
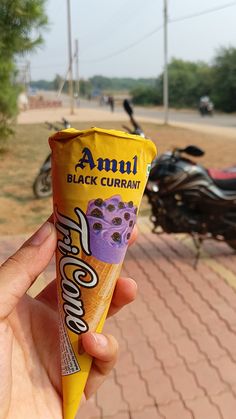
(178,339)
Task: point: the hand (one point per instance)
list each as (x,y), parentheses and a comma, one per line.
(30,383)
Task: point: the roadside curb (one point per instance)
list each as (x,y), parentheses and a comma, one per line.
(92,114)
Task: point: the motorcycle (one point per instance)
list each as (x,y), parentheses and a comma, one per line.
(42,186)
(206,106)
(185,197)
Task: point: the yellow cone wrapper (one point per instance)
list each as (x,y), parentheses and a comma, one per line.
(98,179)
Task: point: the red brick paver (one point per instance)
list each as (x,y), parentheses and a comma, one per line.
(177,340)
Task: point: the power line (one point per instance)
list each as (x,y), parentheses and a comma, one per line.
(148,35)
(120,51)
(203,12)
(48,66)
(113,20)
(191,16)
(112,26)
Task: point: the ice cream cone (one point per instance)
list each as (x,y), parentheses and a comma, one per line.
(97,302)
(99,299)
(98,182)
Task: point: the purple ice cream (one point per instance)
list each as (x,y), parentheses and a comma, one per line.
(110,225)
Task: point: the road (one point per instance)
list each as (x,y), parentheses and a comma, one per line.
(221,120)
(157,113)
(187,116)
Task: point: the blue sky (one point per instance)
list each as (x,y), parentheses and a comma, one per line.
(106,27)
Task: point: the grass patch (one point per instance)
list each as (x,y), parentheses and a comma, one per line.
(28,148)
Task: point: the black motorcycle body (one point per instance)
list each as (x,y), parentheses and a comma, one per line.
(187,198)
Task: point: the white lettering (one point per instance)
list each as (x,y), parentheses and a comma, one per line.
(75,272)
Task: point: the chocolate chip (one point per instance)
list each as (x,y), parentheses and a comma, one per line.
(136,210)
(97,226)
(97,213)
(117,221)
(121,205)
(130,204)
(126,216)
(116,237)
(131,223)
(128,236)
(111,207)
(98,202)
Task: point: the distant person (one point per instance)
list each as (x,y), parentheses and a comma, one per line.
(111,103)
(23,102)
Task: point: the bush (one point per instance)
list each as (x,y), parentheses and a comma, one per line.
(146,96)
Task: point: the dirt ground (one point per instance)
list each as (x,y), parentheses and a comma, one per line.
(24,154)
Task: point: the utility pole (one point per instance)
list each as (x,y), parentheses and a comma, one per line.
(77,67)
(70,72)
(165,81)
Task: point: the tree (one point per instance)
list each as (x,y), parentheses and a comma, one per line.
(146,95)
(85,87)
(188,81)
(21,25)
(224,79)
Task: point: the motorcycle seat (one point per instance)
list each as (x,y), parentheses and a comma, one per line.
(224,179)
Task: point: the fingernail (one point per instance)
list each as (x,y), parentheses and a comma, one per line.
(40,236)
(100,339)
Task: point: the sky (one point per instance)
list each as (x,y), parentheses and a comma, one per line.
(124,38)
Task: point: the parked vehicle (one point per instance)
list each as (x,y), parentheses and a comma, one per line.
(185,197)
(206,106)
(42,186)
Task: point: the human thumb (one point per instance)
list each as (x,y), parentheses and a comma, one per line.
(19,272)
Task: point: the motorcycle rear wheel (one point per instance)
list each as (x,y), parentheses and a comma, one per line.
(42,186)
(232,244)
